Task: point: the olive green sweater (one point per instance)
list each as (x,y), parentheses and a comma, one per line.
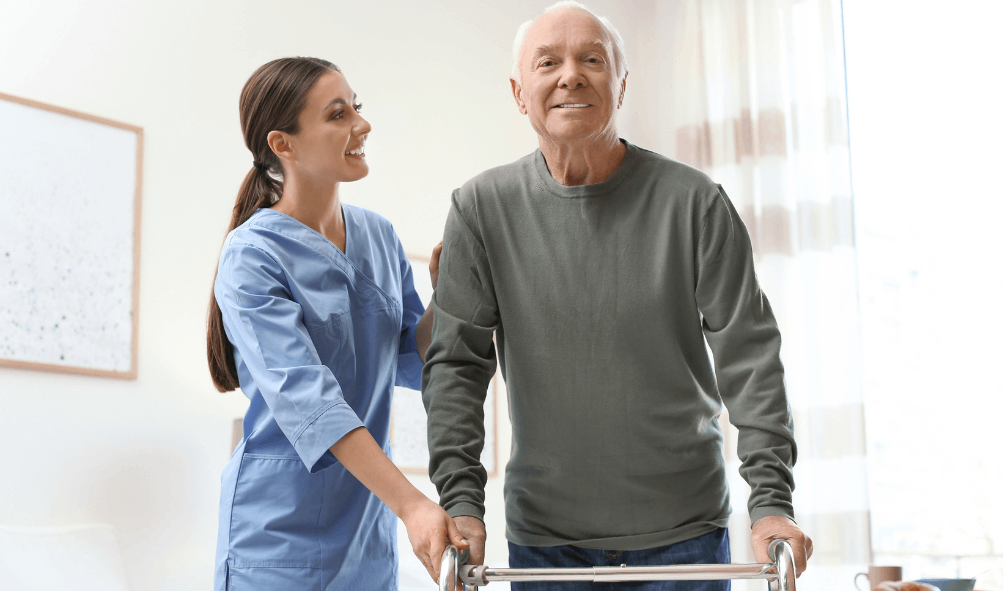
(600,298)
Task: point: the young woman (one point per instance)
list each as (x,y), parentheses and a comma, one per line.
(315,318)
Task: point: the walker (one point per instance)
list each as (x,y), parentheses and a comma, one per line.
(780,574)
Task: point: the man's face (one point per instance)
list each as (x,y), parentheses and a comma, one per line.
(569,85)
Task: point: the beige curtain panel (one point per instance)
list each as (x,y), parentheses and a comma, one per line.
(757,100)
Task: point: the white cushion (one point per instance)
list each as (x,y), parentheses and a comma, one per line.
(76,558)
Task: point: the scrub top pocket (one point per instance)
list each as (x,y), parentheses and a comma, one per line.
(275,513)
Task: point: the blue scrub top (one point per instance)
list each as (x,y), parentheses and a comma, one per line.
(320,339)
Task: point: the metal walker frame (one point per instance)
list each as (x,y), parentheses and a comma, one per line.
(454,575)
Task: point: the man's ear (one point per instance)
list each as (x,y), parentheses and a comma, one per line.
(516,88)
(620,100)
(281,146)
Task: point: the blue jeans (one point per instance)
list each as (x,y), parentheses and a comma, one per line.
(711,548)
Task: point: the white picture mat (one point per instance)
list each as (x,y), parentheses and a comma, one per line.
(67,240)
(408,423)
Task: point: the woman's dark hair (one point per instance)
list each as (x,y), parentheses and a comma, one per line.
(272,99)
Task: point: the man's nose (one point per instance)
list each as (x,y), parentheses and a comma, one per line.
(571,75)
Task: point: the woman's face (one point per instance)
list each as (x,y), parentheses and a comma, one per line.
(330,146)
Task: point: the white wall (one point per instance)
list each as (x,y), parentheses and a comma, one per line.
(145,455)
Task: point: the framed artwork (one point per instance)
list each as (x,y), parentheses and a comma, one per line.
(69,240)
(408,432)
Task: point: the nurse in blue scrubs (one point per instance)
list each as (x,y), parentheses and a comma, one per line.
(315,318)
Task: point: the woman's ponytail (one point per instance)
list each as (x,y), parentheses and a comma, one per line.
(271,100)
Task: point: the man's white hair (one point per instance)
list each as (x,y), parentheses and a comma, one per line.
(620,57)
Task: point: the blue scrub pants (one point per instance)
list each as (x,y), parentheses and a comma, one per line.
(711,548)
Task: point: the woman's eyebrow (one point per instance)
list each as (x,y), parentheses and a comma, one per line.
(340,101)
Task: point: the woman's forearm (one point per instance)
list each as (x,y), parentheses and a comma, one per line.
(430,529)
(423,333)
(364,459)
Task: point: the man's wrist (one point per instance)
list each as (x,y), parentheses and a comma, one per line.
(758,513)
(466,509)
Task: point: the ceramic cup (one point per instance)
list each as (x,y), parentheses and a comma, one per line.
(879,574)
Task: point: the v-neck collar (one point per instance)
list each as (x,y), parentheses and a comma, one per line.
(345,221)
(294,229)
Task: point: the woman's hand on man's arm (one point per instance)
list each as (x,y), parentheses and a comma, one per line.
(423,332)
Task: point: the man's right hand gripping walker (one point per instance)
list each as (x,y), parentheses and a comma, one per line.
(780,574)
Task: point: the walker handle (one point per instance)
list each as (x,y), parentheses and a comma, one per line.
(449,569)
(780,573)
(784,560)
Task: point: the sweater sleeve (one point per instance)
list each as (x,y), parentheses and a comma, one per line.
(744,338)
(459,365)
(265,325)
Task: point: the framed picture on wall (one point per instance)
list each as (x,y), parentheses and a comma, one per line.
(408,419)
(69,240)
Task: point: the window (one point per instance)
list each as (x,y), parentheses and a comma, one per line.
(924,96)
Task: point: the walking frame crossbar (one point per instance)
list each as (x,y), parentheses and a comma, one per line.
(779,574)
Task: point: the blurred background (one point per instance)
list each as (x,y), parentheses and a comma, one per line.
(861,141)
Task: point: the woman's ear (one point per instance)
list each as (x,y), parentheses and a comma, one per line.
(281,145)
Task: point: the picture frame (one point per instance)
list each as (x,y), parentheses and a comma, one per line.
(69,240)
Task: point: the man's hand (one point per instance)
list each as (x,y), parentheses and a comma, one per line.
(768,529)
(473,529)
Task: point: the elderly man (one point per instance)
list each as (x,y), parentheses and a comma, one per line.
(600,268)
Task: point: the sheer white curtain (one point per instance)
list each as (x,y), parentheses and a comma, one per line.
(755,95)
